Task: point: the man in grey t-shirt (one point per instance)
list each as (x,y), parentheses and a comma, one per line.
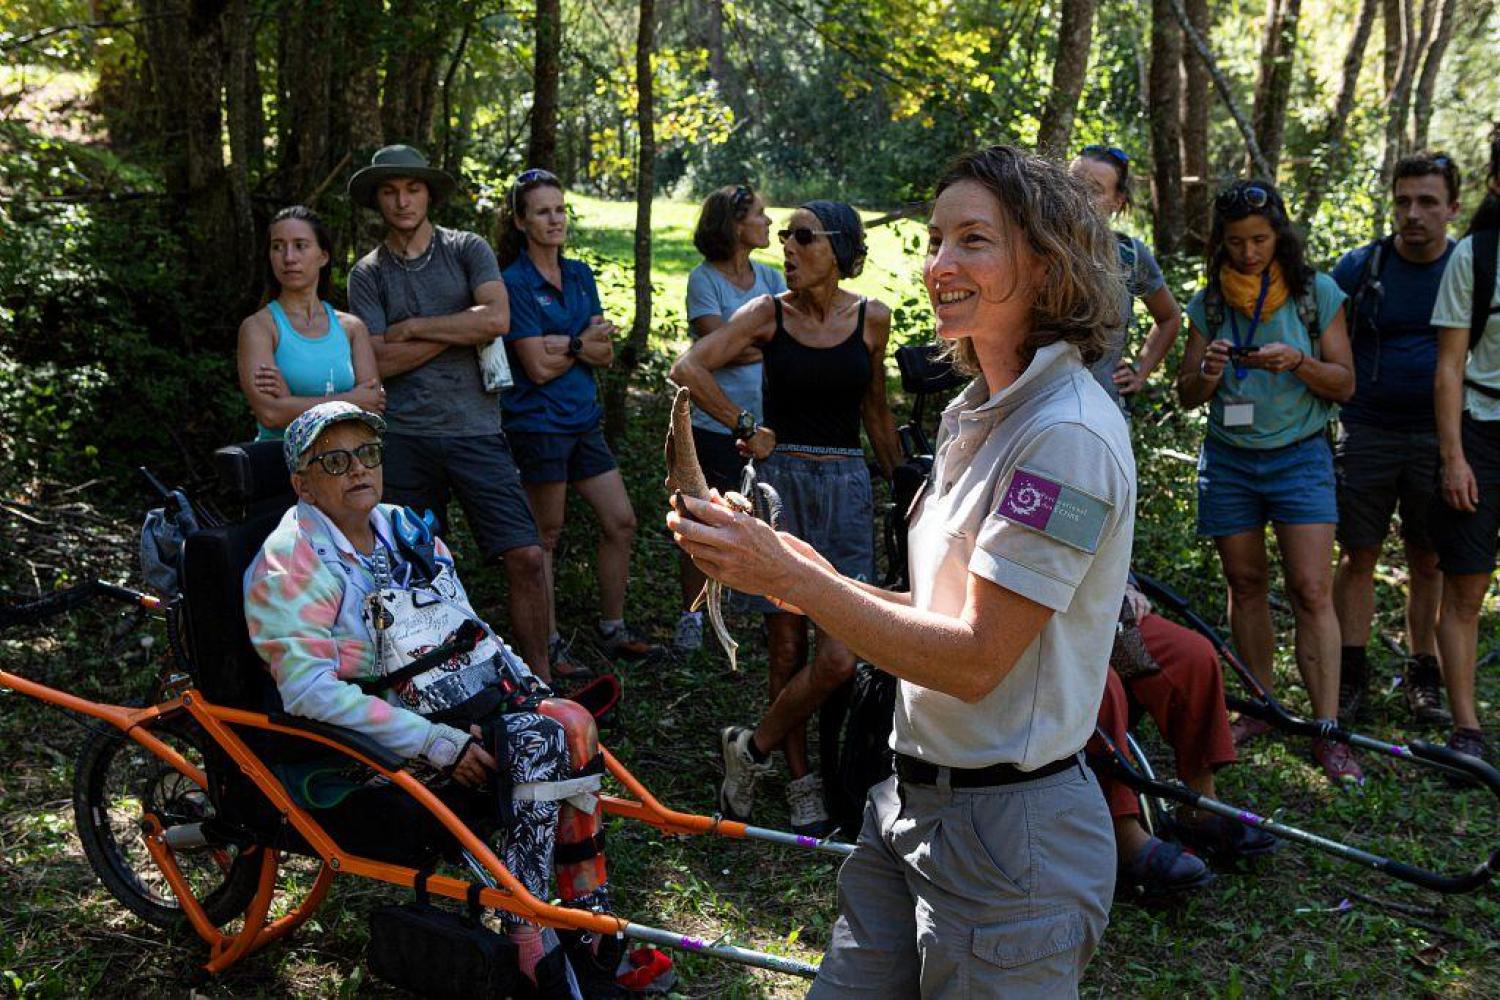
(430,296)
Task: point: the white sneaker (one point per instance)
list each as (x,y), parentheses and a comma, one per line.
(689,635)
(805,798)
(741,772)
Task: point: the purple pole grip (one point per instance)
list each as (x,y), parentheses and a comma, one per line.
(1249,817)
(803,841)
(1399,751)
(692,943)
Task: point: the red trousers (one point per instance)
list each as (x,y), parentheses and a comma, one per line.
(1185,698)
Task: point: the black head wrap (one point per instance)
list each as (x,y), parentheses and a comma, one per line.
(848,239)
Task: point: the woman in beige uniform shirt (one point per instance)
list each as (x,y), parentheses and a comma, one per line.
(985,866)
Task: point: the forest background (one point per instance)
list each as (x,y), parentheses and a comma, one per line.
(144,144)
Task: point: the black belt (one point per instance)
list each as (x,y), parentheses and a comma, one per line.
(920,772)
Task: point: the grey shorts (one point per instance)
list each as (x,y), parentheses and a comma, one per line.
(982,892)
(1379,471)
(425,472)
(829,504)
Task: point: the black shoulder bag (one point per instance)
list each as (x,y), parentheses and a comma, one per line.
(435,952)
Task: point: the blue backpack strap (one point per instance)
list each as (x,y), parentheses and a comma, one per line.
(1128,255)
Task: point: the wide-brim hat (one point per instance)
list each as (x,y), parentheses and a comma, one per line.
(398,161)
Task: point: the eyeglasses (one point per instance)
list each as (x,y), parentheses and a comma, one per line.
(803,235)
(741,199)
(1114,151)
(341,460)
(1441,162)
(532,175)
(1251,196)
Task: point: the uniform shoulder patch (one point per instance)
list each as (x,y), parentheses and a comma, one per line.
(1055,509)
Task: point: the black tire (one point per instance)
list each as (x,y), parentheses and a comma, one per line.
(115,782)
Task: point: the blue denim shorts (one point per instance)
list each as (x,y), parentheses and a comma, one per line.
(829,504)
(1241,489)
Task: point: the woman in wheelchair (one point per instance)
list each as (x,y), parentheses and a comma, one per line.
(1171,673)
(357,611)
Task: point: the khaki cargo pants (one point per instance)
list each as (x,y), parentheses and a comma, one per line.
(987,892)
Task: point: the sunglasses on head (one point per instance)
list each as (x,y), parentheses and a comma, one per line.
(1441,162)
(341,460)
(1111,151)
(1251,196)
(803,235)
(532,175)
(741,199)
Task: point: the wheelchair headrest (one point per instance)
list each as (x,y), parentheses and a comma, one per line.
(254,472)
(923,373)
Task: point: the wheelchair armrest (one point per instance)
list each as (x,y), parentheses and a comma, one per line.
(357,742)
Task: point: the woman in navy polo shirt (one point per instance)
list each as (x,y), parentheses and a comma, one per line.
(558,336)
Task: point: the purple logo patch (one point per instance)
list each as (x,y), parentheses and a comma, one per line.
(1030,500)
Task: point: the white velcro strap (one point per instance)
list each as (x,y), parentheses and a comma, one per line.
(582,793)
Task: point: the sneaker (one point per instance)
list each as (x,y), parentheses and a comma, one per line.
(1338,762)
(804,797)
(1422,683)
(1221,838)
(1162,868)
(741,772)
(626,643)
(1246,728)
(689,635)
(1354,687)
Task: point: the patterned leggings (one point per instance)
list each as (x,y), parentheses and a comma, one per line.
(550,745)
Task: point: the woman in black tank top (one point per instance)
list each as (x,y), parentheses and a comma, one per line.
(824,351)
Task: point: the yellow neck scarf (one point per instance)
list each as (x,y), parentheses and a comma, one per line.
(1241,290)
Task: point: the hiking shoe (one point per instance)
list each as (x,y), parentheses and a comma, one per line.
(626,643)
(1338,762)
(1246,728)
(688,638)
(1422,683)
(564,666)
(1162,868)
(1221,838)
(1354,687)
(741,772)
(1471,742)
(805,799)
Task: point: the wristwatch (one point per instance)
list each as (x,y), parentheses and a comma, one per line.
(575,346)
(745,426)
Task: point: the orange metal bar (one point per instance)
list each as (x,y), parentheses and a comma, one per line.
(231,949)
(648,809)
(191,908)
(283,926)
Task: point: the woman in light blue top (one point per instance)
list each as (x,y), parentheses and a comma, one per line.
(298,350)
(733,223)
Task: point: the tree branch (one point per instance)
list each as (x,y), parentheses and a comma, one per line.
(1221,84)
(57,29)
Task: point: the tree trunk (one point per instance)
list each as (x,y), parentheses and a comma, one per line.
(1195,167)
(241,108)
(542,150)
(1427,82)
(645,185)
(1221,84)
(1400,58)
(1278,54)
(361,82)
(1075,31)
(452,150)
(307,147)
(1329,158)
(411,69)
(1166,136)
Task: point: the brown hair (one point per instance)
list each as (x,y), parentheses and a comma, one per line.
(510,241)
(1078,298)
(1427,163)
(716,234)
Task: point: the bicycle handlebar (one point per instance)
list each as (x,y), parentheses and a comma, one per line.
(70,599)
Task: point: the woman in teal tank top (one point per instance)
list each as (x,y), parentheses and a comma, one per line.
(298,350)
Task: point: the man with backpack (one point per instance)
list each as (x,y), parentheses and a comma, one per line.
(1387,451)
(1467,391)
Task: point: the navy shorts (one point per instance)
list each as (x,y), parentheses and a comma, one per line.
(1465,543)
(425,472)
(1241,489)
(545,457)
(722,463)
(1378,471)
(829,504)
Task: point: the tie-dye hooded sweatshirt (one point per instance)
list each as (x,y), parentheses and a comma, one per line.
(303,597)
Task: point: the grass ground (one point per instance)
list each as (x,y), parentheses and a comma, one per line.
(1281,929)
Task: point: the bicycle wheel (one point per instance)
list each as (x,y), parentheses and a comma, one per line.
(116,781)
